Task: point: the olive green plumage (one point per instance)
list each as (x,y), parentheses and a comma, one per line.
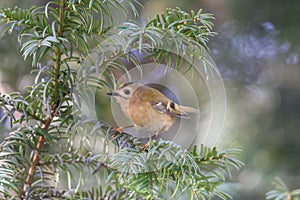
(148,108)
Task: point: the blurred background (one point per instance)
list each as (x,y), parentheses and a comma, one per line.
(257,52)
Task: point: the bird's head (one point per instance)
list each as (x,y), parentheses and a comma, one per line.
(124,92)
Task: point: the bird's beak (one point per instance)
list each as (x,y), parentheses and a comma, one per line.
(113,94)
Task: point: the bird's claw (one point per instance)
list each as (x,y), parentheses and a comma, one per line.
(119,129)
(146,146)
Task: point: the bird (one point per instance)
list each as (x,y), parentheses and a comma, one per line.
(148,108)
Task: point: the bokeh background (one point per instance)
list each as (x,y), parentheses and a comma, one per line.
(257,52)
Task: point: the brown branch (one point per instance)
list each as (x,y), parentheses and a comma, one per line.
(47,122)
(35,160)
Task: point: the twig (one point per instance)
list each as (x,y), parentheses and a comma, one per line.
(46,124)
(35,160)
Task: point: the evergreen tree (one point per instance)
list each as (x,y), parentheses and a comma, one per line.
(51,153)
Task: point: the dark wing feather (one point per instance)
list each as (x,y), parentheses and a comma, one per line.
(170,109)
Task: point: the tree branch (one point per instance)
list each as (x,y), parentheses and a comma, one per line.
(35,160)
(46,124)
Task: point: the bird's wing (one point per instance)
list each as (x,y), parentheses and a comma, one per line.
(170,108)
(164,105)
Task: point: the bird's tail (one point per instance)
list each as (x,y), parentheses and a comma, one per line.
(189,109)
(185,110)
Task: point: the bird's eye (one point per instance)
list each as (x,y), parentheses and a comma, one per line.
(127,92)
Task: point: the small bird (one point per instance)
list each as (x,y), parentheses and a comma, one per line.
(148,108)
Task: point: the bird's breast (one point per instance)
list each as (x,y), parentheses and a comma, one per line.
(143,115)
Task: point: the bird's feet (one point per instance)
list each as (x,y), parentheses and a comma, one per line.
(148,143)
(119,129)
(146,146)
